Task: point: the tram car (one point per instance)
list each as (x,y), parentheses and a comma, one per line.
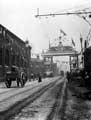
(83,75)
(37,67)
(14,58)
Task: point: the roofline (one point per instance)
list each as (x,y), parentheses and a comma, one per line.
(60,54)
(12,34)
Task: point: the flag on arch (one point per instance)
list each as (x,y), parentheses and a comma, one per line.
(73,43)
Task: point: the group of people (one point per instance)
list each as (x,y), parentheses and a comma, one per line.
(36,76)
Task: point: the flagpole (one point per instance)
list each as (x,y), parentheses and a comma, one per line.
(81,41)
(49,44)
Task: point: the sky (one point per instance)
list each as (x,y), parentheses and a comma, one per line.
(19,17)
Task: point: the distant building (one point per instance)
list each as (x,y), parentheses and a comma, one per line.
(37,66)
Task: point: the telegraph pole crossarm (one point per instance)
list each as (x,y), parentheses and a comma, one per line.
(64,13)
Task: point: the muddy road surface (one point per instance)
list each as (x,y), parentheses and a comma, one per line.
(38,101)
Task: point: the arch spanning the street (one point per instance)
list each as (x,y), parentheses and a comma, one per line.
(62,51)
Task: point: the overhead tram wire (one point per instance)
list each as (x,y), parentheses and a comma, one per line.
(70,11)
(65,13)
(78,8)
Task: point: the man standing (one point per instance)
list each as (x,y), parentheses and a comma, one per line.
(39,78)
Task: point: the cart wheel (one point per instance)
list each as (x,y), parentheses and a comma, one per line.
(8,83)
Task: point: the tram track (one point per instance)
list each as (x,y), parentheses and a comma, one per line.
(57,112)
(13,89)
(5,97)
(16,94)
(15,108)
(17,90)
(7,91)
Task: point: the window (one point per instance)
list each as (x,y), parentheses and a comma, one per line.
(18,60)
(21,62)
(7,57)
(13,59)
(0,56)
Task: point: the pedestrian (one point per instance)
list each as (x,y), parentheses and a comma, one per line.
(39,78)
(68,76)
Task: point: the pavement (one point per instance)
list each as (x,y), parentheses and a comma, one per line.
(78,89)
(78,106)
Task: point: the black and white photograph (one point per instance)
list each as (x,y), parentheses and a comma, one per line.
(45,60)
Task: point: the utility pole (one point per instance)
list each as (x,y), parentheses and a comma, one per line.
(64,13)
